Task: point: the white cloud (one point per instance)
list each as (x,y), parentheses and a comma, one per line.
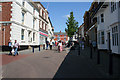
(66,16)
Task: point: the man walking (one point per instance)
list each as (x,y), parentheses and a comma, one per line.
(47,44)
(10,47)
(16,45)
(51,44)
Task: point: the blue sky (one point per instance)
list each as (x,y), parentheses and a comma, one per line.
(58,12)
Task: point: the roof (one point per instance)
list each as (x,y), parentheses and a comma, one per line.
(41,5)
(50,22)
(58,33)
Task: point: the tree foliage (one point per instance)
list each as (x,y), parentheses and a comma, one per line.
(72,25)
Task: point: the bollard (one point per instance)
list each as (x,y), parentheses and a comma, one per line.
(39,47)
(91,52)
(98,57)
(110,63)
(33,49)
(79,50)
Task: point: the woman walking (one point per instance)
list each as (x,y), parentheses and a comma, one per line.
(60,46)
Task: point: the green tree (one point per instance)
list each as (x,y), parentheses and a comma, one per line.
(72,26)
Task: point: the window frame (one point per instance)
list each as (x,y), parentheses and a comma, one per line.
(115,36)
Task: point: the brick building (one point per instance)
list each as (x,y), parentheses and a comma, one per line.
(60,36)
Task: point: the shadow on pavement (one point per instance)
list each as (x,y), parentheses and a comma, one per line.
(77,67)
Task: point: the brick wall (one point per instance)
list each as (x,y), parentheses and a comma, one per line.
(6,11)
(6,15)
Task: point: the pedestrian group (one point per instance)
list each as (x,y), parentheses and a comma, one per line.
(13,48)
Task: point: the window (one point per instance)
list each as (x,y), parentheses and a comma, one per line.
(0,8)
(113,6)
(23,15)
(64,35)
(23,3)
(33,36)
(119,3)
(102,37)
(99,38)
(45,27)
(33,11)
(42,25)
(29,36)
(33,22)
(64,39)
(0,26)
(58,38)
(115,36)
(102,18)
(22,34)
(42,13)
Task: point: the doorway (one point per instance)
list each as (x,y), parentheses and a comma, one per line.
(109,41)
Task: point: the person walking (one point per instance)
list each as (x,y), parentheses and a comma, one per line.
(94,45)
(83,45)
(10,47)
(16,46)
(51,44)
(60,46)
(47,44)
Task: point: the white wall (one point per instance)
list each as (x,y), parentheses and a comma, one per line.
(28,23)
(109,21)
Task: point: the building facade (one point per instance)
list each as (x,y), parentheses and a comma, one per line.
(109,26)
(60,36)
(43,23)
(24,21)
(81,32)
(50,31)
(90,20)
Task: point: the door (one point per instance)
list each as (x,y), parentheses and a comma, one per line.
(109,42)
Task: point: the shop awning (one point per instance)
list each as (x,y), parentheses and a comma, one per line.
(43,34)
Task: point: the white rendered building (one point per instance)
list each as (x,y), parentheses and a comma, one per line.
(108,27)
(21,21)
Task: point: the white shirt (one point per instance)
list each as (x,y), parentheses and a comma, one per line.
(16,45)
(60,44)
(51,43)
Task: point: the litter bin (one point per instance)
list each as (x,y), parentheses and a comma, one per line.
(43,46)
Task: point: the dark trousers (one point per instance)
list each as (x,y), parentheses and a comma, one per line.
(10,49)
(50,47)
